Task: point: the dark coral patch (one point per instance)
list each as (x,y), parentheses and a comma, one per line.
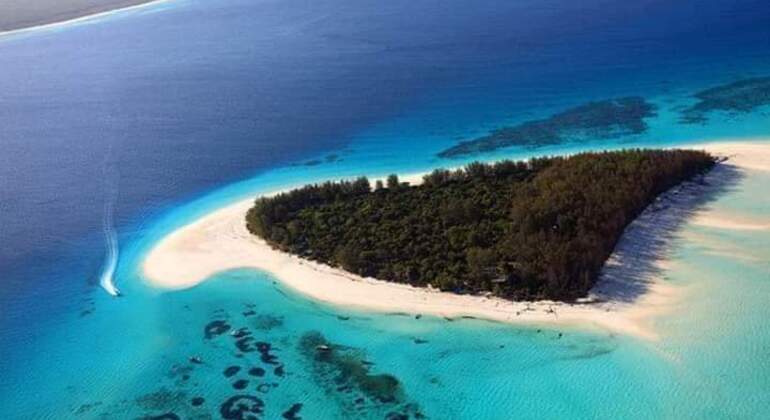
(293,412)
(244,344)
(215,328)
(241,332)
(231,370)
(405,412)
(738,97)
(241,384)
(279,371)
(197,401)
(257,371)
(242,407)
(164,416)
(266,356)
(605,119)
(346,369)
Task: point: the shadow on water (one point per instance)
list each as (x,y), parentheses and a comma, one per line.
(628,273)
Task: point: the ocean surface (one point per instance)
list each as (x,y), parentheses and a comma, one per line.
(116,131)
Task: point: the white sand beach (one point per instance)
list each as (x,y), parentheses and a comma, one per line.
(627,298)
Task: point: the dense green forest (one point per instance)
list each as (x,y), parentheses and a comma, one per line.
(522,230)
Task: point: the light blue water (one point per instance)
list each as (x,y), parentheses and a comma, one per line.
(191,105)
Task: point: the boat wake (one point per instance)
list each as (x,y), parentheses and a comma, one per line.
(106,280)
(111,256)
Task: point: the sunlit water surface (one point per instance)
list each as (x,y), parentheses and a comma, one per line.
(184,107)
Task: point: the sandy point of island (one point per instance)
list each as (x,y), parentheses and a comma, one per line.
(219,241)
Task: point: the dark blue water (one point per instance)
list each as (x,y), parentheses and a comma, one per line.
(160,106)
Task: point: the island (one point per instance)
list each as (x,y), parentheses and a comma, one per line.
(534,230)
(631,294)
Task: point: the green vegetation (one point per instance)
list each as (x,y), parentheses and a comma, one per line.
(740,96)
(606,119)
(522,230)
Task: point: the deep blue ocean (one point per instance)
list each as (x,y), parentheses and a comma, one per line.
(171,110)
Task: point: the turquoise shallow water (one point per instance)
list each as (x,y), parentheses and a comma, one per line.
(708,364)
(71,351)
(131,356)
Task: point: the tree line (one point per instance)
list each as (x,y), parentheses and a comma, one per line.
(540,229)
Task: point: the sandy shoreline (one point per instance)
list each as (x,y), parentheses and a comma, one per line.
(625,300)
(21,16)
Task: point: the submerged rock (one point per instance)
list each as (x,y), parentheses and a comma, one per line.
(279,371)
(164,416)
(266,356)
(293,412)
(257,371)
(241,384)
(231,370)
(242,407)
(244,344)
(215,328)
(240,332)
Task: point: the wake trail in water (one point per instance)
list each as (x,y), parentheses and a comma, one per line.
(107,278)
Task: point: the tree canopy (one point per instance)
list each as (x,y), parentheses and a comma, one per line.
(522,230)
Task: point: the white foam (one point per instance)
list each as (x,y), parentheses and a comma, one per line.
(111,256)
(107,278)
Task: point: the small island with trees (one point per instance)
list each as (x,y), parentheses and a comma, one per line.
(540,229)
